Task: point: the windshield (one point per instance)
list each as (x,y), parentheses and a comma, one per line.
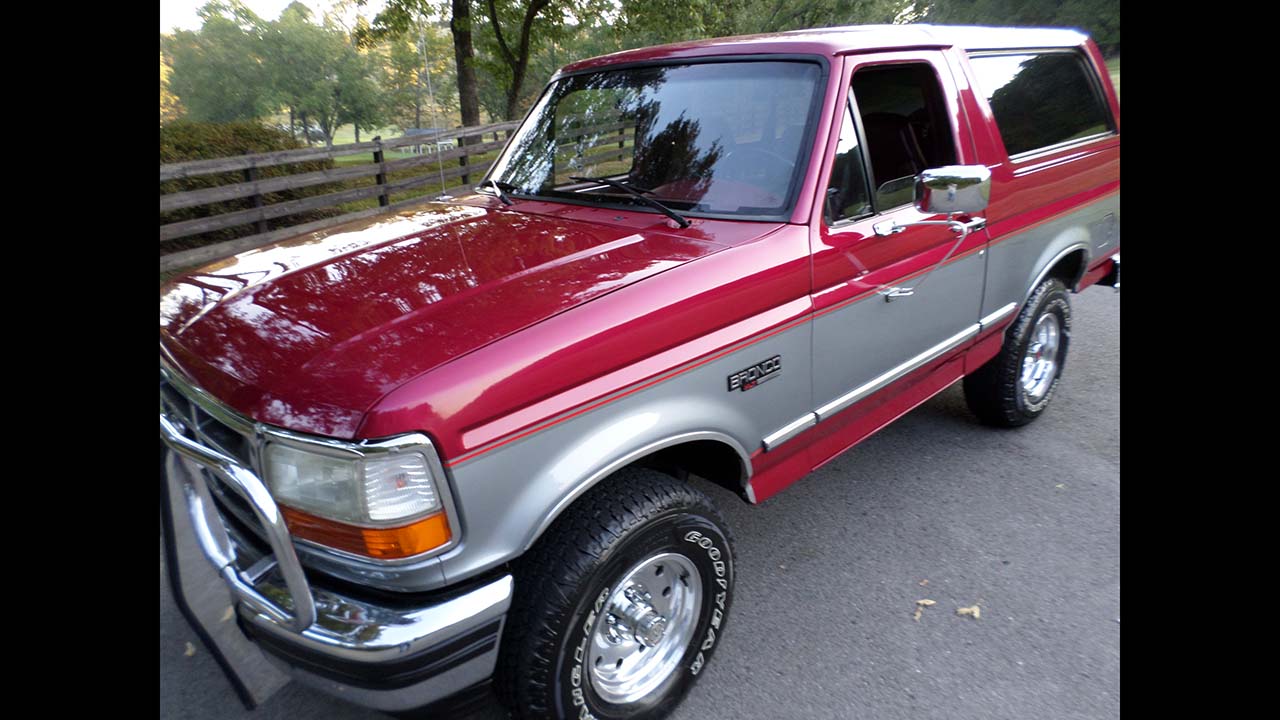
(721,138)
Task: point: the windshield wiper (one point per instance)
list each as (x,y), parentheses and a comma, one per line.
(646,200)
(498,187)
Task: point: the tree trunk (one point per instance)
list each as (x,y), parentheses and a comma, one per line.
(306,129)
(357,133)
(293,129)
(513,94)
(464,57)
(518,59)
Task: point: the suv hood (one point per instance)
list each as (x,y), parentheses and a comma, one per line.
(310,333)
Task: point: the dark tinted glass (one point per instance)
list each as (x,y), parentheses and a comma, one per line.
(847,195)
(1040,100)
(905,121)
(722,138)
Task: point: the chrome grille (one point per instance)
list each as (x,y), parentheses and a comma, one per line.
(237,517)
(203,427)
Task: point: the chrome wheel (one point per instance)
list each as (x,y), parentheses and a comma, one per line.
(1040,363)
(645,627)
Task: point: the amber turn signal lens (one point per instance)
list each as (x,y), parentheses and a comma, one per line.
(382,543)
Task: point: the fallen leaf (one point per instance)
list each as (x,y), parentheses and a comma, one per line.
(226,616)
(973,612)
(926,603)
(919,612)
(923,583)
(191,650)
(1060,485)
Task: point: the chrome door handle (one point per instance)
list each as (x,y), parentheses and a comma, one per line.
(897,292)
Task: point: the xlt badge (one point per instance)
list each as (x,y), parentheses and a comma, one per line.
(744,380)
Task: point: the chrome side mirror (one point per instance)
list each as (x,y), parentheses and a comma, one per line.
(953,189)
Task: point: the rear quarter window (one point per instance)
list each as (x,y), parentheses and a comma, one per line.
(1041,99)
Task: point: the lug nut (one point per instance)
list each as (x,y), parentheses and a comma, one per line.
(651,630)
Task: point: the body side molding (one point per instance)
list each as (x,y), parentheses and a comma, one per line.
(790,430)
(996,316)
(888,376)
(879,382)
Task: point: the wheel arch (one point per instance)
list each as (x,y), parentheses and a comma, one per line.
(1067,258)
(710,454)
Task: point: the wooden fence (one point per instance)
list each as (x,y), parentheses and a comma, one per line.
(613,136)
(460,165)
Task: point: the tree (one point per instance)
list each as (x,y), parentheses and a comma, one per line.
(405,92)
(1099,18)
(170,106)
(419,69)
(655,22)
(295,50)
(465,61)
(359,97)
(317,72)
(343,92)
(402,18)
(756,16)
(218,71)
(515,54)
(509,34)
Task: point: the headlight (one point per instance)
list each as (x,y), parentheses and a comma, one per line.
(380,500)
(315,483)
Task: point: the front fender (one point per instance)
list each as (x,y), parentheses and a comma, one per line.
(508,497)
(614,446)
(511,497)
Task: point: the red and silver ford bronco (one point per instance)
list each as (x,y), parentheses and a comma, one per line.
(462,445)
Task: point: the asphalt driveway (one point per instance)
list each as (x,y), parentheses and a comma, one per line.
(1024,524)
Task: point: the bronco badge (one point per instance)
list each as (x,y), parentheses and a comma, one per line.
(744,380)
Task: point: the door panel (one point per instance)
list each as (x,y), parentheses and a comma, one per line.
(858,336)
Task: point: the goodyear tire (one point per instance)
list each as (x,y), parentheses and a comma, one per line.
(620,605)
(1015,386)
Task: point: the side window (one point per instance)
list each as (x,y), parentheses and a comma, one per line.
(1041,100)
(905,120)
(847,195)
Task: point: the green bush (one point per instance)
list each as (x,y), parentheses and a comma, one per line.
(185,140)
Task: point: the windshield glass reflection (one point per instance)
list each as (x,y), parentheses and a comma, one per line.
(716,138)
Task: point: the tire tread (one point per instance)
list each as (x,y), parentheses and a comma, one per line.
(991,392)
(550,576)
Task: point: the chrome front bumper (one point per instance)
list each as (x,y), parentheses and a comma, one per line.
(387,657)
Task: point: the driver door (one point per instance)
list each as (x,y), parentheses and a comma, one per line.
(901,116)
